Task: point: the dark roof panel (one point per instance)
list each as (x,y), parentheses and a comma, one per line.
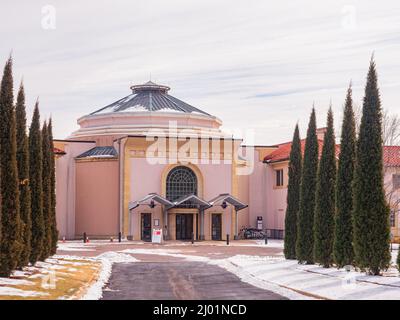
(149,97)
(99,152)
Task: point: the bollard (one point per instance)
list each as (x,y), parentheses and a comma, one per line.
(84,237)
(63,239)
(227,239)
(192,237)
(266,239)
(120,236)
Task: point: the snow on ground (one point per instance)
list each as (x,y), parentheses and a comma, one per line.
(288,278)
(167,252)
(272,243)
(73,246)
(116,257)
(317,281)
(95,291)
(16,282)
(285,277)
(10,291)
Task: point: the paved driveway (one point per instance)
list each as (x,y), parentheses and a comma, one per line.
(179,280)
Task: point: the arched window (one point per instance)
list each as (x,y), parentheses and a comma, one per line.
(181,181)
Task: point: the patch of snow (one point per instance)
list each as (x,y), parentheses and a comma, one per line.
(19,273)
(169,110)
(167,252)
(272,243)
(116,257)
(101,156)
(73,247)
(8,291)
(95,291)
(328,283)
(247,277)
(16,282)
(135,108)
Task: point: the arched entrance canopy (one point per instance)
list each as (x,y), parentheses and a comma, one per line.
(149,199)
(227,198)
(191,201)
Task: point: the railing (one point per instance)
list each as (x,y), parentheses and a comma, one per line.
(253,233)
(275,233)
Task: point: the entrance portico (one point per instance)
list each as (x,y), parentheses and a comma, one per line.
(185,218)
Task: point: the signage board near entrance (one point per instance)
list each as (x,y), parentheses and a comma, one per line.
(259,222)
(157,236)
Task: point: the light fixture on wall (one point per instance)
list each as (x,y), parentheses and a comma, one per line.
(152,204)
(224,205)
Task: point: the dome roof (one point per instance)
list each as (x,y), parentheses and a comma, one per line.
(149,97)
(148,110)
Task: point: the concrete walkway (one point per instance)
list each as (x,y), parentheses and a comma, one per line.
(179,280)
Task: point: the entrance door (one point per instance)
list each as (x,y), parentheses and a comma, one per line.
(216,226)
(146,226)
(184,226)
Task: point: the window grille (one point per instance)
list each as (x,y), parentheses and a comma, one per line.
(181,181)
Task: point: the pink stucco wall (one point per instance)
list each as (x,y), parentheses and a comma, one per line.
(97,198)
(244,196)
(146,178)
(276,200)
(65,187)
(258,197)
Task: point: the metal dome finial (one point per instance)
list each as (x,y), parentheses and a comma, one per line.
(149,86)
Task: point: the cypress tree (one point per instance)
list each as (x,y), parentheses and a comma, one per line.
(343,252)
(305,235)
(23,174)
(371,211)
(46,246)
(52,168)
(398,260)
(324,217)
(10,248)
(293,196)
(35,174)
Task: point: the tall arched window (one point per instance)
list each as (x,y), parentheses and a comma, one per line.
(181,181)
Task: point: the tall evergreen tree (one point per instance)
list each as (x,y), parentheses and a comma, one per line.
(371,211)
(23,175)
(35,175)
(305,235)
(52,168)
(398,260)
(46,246)
(10,248)
(324,218)
(293,196)
(343,252)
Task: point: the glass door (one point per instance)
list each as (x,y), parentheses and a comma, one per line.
(146,226)
(184,226)
(216,226)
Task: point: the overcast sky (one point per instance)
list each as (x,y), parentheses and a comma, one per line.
(254,64)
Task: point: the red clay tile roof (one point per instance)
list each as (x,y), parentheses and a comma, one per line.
(58,151)
(391,154)
(282,153)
